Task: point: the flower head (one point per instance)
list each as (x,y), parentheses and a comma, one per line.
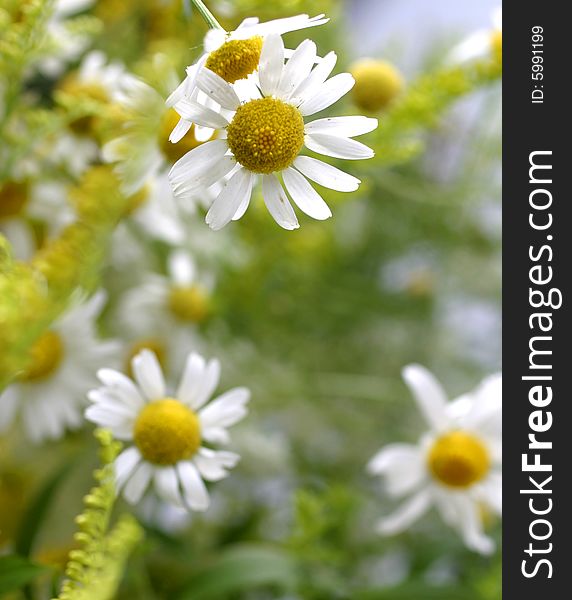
(170,432)
(48,394)
(378,83)
(456,464)
(480,44)
(264,136)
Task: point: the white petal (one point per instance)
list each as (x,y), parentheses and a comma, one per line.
(122,386)
(342,126)
(137,483)
(202,115)
(297,68)
(203,134)
(236,190)
(181,267)
(191,380)
(406,514)
(305,196)
(194,489)
(277,203)
(213,465)
(225,410)
(124,465)
(241,209)
(337,147)
(271,64)
(200,182)
(249,27)
(402,466)
(149,375)
(207,384)
(328,93)
(471,527)
(326,175)
(218,89)
(197,161)
(491,489)
(180,130)
(167,485)
(428,394)
(311,85)
(215,435)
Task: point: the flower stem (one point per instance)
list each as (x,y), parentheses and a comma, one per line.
(207,15)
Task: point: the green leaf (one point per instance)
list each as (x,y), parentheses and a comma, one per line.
(241,567)
(16,571)
(418,590)
(35,513)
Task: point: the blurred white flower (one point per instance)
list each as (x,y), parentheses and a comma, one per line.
(168,430)
(49,395)
(263,137)
(456,466)
(481,43)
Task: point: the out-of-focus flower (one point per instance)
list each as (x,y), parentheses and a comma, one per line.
(144,149)
(481,43)
(234,57)
(48,394)
(168,431)
(456,464)
(264,137)
(378,84)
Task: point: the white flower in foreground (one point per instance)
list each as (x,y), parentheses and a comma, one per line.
(49,395)
(456,466)
(235,57)
(481,43)
(264,137)
(168,431)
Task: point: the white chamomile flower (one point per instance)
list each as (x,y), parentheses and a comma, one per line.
(456,466)
(481,43)
(234,57)
(169,308)
(142,153)
(264,137)
(49,395)
(170,432)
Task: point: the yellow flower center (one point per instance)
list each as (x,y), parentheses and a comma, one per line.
(166,432)
(458,459)
(266,135)
(156,346)
(45,356)
(236,59)
(13,198)
(496,43)
(378,83)
(173,152)
(91,92)
(189,303)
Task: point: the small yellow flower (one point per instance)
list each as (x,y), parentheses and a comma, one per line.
(378,84)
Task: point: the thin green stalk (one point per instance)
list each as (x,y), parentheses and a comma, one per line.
(207,15)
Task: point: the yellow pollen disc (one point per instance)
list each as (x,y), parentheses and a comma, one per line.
(266,135)
(378,83)
(458,459)
(13,198)
(153,344)
(45,356)
(166,432)
(236,59)
(175,151)
(496,43)
(189,303)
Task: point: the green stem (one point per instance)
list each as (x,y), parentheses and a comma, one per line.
(207,15)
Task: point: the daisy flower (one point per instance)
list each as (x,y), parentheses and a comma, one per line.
(170,431)
(140,152)
(264,137)
(481,43)
(169,308)
(456,466)
(234,57)
(48,394)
